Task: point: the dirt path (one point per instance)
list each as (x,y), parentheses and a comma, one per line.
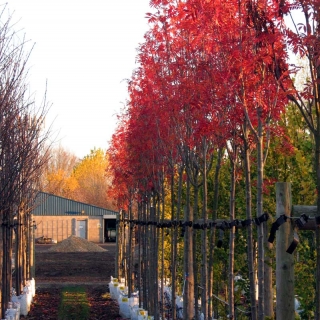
(56,270)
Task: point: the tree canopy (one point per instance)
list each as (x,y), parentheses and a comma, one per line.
(216,88)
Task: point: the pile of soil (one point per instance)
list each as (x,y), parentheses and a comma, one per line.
(89,269)
(76,244)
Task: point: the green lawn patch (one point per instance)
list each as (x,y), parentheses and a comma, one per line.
(74,304)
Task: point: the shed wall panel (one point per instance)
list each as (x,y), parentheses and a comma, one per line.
(60,227)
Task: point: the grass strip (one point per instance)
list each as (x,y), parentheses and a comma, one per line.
(74,304)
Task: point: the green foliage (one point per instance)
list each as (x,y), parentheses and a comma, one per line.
(224,190)
(291,159)
(296,166)
(305,267)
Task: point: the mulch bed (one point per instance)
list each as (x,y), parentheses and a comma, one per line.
(91,270)
(46,303)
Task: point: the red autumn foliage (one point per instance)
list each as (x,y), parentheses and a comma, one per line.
(205,68)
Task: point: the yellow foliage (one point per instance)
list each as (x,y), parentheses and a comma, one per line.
(83,180)
(90,174)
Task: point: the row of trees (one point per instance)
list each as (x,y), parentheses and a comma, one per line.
(22,156)
(215,90)
(83,180)
(28,164)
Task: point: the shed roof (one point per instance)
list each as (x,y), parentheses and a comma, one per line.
(47,204)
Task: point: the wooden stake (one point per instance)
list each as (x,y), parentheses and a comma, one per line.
(284,261)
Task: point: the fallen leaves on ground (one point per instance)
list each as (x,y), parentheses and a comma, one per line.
(46,305)
(91,270)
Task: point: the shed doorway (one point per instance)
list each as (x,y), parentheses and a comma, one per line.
(110,230)
(82,229)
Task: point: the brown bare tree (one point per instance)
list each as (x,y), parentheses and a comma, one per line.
(22,155)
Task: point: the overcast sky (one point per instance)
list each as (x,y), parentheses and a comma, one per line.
(83,50)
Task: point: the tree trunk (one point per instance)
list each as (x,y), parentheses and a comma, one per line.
(213,233)
(4,267)
(250,247)
(154,252)
(24,250)
(233,159)
(140,252)
(261,262)
(32,249)
(145,252)
(317,167)
(163,273)
(150,262)
(175,247)
(1,264)
(2,294)
(18,252)
(130,254)
(204,297)
(188,292)
(7,260)
(196,245)
(118,245)
(268,289)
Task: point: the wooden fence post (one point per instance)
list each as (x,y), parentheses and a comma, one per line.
(284,261)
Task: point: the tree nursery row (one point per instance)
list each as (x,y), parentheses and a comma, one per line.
(223,106)
(23,154)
